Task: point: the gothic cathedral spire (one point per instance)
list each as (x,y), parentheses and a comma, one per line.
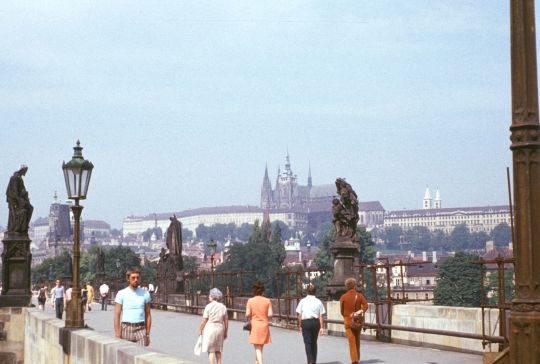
(266,191)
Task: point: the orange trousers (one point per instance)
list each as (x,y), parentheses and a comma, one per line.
(353,336)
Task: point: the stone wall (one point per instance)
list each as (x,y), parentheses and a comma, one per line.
(11,335)
(457,319)
(46,341)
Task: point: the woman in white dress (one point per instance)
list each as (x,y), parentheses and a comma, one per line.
(214,326)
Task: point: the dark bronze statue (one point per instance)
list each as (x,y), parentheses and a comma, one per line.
(174,242)
(100,261)
(20,209)
(345,211)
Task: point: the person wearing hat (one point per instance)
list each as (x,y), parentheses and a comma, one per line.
(259,311)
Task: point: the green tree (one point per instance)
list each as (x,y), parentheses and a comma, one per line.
(460,237)
(478,240)
(458,281)
(243,232)
(276,246)
(50,269)
(501,234)
(260,255)
(420,238)
(492,280)
(392,236)
(441,241)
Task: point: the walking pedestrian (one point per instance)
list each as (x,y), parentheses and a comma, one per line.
(90,291)
(58,299)
(84,297)
(352,302)
(214,326)
(104,293)
(310,311)
(132,315)
(259,311)
(42,297)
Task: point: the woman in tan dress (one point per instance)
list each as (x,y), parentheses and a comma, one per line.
(214,326)
(258,311)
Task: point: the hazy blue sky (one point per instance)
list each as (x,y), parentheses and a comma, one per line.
(179,104)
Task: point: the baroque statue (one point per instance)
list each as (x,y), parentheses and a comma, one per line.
(100,260)
(20,209)
(174,242)
(345,212)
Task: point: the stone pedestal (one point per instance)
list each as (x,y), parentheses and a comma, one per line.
(16,260)
(345,254)
(100,278)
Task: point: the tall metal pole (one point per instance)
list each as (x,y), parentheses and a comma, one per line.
(75,314)
(525,136)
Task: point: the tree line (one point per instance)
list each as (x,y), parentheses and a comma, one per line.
(420,238)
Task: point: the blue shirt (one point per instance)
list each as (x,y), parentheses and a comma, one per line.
(58,292)
(132,301)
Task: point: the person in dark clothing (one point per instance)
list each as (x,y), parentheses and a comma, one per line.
(310,311)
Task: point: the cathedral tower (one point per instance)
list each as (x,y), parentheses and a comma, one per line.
(267,199)
(437,203)
(427,200)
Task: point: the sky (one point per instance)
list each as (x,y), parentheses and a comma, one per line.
(181,104)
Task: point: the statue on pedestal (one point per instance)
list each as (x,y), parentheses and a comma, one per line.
(16,257)
(346,246)
(345,211)
(100,261)
(20,209)
(174,242)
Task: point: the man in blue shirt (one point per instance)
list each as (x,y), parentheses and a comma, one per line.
(58,299)
(132,316)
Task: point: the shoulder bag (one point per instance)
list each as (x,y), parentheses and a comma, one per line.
(356,319)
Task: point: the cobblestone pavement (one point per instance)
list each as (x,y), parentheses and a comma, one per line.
(176,333)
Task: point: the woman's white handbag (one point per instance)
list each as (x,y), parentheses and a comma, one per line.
(198,346)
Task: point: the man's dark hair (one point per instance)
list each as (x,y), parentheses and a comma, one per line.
(258,288)
(132,270)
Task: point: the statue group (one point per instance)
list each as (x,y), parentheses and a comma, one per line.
(345,212)
(169,271)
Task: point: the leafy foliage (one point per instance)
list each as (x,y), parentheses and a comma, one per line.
(264,257)
(492,280)
(53,268)
(501,234)
(458,281)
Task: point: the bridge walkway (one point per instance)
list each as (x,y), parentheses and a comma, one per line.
(176,333)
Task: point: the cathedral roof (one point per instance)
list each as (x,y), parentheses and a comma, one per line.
(328,190)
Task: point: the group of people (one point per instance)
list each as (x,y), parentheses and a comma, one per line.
(310,311)
(133,318)
(60,296)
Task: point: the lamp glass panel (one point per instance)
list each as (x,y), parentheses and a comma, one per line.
(76,188)
(84,183)
(87,175)
(67,179)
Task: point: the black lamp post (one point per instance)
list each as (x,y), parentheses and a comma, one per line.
(77,173)
(119,274)
(212,246)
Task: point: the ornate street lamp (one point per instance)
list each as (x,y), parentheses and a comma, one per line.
(77,173)
(212,246)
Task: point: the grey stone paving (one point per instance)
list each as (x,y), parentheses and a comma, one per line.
(176,333)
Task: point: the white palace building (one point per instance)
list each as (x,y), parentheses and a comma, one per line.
(435,217)
(209,216)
